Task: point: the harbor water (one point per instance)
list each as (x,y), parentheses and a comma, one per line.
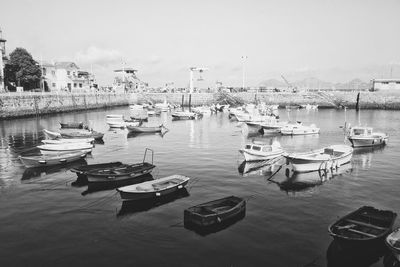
(49,220)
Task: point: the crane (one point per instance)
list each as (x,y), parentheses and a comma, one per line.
(193,69)
(290,86)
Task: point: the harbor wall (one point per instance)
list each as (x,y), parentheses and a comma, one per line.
(24,104)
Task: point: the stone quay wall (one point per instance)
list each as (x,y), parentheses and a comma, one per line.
(25,104)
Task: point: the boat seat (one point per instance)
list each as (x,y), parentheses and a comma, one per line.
(362,233)
(366,224)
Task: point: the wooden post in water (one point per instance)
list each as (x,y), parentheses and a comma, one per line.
(357,103)
(190,102)
(183,98)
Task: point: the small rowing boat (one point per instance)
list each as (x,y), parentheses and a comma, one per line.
(46,160)
(145,129)
(299,129)
(83,169)
(322,159)
(65,148)
(184,115)
(154,188)
(366,226)
(393,242)
(214,212)
(65,140)
(83,134)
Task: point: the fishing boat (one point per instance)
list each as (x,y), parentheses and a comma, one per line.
(360,136)
(261,151)
(215,212)
(121,173)
(367,226)
(184,115)
(299,129)
(74,125)
(66,147)
(46,160)
(329,157)
(154,188)
(83,134)
(66,140)
(145,129)
(393,242)
(51,135)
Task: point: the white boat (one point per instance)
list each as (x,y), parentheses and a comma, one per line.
(253,126)
(299,129)
(64,148)
(261,151)
(51,135)
(115,121)
(393,242)
(326,158)
(47,160)
(65,140)
(272,125)
(202,110)
(154,188)
(361,136)
(184,115)
(162,106)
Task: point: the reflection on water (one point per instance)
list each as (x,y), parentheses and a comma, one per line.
(362,156)
(262,168)
(296,182)
(133,134)
(340,257)
(135,206)
(30,173)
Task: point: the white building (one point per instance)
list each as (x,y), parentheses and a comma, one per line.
(127,81)
(385,84)
(66,76)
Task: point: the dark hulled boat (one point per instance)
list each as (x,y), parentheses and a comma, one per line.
(366,226)
(214,212)
(73,125)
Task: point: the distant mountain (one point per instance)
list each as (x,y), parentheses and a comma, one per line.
(315,83)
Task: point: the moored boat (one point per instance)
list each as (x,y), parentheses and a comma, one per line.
(47,160)
(367,226)
(145,129)
(261,151)
(299,129)
(214,212)
(66,147)
(360,136)
(83,134)
(326,158)
(83,169)
(51,135)
(184,115)
(155,188)
(74,125)
(393,242)
(66,140)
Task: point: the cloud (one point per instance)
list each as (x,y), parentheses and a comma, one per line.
(98,56)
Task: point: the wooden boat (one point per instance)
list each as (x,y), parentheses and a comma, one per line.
(65,148)
(154,188)
(261,151)
(214,212)
(366,226)
(51,135)
(121,173)
(145,129)
(393,242)
(361,136)
(326,158)
(88,134)
(81,170)
(299,129)
(74,125)
(64,141)
(40,161)
(184,115)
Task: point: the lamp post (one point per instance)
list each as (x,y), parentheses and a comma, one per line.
(243,69)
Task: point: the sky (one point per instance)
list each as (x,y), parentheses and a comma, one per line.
(334,41)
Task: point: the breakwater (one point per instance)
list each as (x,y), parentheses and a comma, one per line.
(24,104)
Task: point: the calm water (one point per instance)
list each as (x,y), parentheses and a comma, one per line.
(45,221)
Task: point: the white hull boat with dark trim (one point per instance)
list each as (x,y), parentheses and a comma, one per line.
(45,160)
(65,148)
(326,158)
(67,141)
(361,136)
(260,151)
(154,188)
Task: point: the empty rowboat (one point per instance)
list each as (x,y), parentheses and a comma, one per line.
(154,188)
(363,227)
(46,160)
(83,134)
(65,148)
(145,129)
(393,242)
(83,169)
(66,140)
(214,212)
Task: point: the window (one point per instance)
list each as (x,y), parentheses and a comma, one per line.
(44,72)
(80,85)
(248,147)
(74,85)
(266,149)
(68,73)
(256,148)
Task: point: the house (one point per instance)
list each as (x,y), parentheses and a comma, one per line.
(385,84)
(48,76)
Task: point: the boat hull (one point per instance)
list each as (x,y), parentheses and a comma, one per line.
(259,157)
(394,237)
(368,141)
(40,161)
(111,176)
(139,129)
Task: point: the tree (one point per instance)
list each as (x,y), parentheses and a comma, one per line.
(23,70)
